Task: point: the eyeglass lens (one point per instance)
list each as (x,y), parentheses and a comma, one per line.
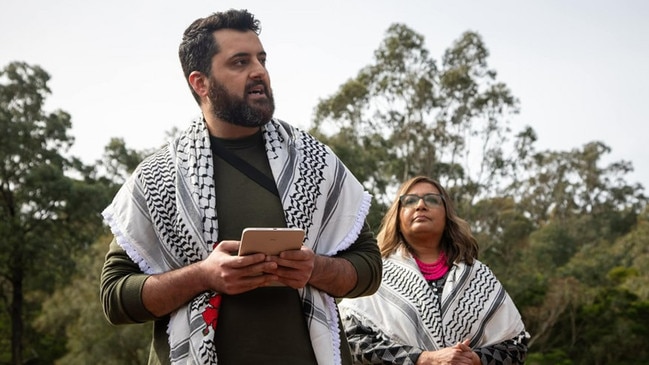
(431,200)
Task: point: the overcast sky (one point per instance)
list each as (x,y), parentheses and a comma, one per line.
(580,68)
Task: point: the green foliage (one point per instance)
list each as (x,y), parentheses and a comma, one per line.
(617,313)
(45,214)
(560,185)
(500,226)
(119,161)
(553,357)
(403,116)
(633,251)
(74,312)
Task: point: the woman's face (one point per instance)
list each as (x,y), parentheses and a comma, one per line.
(422,214)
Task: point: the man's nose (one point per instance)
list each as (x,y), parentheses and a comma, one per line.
(259,71)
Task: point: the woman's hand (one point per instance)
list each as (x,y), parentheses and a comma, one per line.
(460,354)
(464,346)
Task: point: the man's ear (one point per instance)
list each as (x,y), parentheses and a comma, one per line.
(199,83)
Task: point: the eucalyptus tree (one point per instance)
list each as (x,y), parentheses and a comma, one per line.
(561,184)
(48,204)
(402,115)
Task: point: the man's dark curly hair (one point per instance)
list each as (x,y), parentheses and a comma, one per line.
(199,45)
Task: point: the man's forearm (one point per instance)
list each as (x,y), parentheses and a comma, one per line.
(333,275)
(164,293)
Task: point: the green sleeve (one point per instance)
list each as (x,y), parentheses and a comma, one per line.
(121,288)
(365,256)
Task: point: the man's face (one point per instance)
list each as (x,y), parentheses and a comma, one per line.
(239,90)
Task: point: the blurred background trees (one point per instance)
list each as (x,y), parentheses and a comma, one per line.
(50,206)
(564,231)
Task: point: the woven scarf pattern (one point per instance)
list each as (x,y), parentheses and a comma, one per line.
(474,306)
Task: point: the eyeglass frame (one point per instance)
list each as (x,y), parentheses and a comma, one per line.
(421,197)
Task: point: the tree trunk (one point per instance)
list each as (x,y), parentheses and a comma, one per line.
(16,316)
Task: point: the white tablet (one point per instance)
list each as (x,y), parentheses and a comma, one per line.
(270,241)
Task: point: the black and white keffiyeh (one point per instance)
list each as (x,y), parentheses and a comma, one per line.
(164,217)
(474,306)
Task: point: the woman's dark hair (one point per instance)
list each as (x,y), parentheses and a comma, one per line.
(199,45)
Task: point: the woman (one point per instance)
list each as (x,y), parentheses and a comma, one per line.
(437,303)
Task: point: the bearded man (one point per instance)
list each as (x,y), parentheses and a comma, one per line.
(178,220)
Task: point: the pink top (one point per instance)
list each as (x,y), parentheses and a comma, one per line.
(435,270)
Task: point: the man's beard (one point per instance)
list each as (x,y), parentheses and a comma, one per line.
(239,111)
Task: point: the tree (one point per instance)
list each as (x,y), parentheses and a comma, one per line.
(402,116)
(583,258)
(45,213)
(559,184)
(119,161)
(90,339)
(632,248)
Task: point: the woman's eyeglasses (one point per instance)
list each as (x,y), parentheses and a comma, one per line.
(431,200)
